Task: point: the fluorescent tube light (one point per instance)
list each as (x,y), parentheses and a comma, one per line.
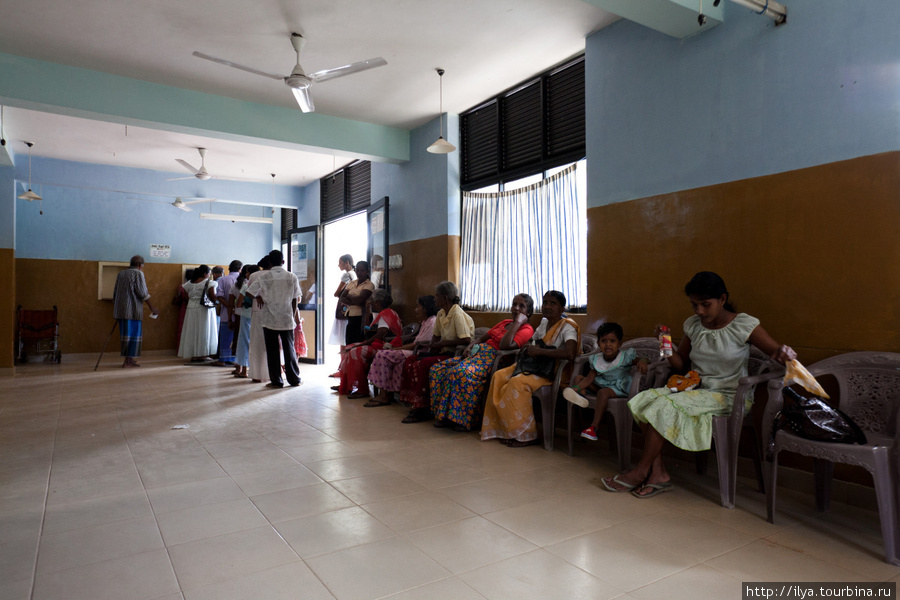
(235,218)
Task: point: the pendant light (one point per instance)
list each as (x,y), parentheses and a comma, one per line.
(29,195)
(441,146)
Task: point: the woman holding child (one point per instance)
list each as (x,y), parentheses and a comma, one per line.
(456,384)
(716,343)
(508,414)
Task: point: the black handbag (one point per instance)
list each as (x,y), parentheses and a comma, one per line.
(814,419)
(541,366)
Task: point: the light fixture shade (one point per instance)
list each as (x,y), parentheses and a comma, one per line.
(29,195)
(441,146)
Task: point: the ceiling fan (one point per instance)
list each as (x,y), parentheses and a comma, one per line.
(179,202)
(299,81)
(200,173)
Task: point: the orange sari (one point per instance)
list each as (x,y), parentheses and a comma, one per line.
(508,412)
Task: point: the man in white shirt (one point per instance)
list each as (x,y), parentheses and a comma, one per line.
(276,292)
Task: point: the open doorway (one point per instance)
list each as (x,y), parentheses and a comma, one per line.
(345,236)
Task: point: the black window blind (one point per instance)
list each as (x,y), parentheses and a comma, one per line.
(537,125)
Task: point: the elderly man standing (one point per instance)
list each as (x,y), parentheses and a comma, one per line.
(128,308)
(226,306)
(276,292)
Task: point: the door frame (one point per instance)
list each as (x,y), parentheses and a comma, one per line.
(319,325)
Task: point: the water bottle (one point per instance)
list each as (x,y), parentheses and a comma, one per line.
(665,342)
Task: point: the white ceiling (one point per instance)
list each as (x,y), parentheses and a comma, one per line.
(485,46)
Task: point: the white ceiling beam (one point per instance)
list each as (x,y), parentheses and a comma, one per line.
(55,88)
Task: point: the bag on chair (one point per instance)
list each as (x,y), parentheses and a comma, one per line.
(814,419)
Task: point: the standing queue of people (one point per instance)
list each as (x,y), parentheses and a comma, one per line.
(248,319)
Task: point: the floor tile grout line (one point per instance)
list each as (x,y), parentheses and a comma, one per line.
(37,554)
(150,504)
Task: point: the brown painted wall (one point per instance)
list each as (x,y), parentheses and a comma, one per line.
(85,321)
(426,263)
(7,311)
(812,253)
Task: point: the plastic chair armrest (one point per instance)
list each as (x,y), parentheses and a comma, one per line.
(747,383)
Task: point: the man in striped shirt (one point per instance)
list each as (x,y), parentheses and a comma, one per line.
(128,308)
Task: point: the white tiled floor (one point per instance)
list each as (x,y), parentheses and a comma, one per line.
(301,494)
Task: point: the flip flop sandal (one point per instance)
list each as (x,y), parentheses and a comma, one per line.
(655,489)
(373,403)
(517,444)
(358,395)
(416,417)
(608,481)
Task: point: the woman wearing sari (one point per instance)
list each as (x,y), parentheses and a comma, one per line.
(508,413)
(452,328)
(457,384)
(386,371)
(356,357)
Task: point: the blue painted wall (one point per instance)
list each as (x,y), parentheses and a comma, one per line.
(80,223)
(742,100)
(424,192)
(310,205)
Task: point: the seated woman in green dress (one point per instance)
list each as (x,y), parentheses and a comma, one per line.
(716,343)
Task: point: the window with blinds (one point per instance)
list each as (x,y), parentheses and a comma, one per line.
(288,222)
(536,126)
(346,191)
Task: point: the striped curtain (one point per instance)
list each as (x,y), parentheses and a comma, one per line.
(532,240)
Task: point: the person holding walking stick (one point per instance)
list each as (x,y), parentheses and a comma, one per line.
(128,309)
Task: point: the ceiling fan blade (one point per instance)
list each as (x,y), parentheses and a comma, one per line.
(199,201)
(181,178)
(228,63)
(304,99)
(187,165)
(363,65)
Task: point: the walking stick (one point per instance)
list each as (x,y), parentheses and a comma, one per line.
(106,343)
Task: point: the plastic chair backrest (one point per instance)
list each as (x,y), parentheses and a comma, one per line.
(868,388)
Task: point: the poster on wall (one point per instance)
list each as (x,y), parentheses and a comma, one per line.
(160,250)
(298,261)
(377,223)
